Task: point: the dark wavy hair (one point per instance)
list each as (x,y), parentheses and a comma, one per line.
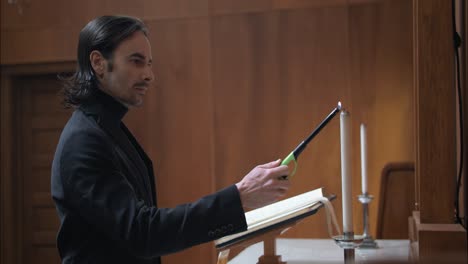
(102,34)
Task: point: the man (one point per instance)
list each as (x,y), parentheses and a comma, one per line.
(102,180)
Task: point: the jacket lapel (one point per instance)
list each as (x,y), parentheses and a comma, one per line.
(132,154)
(148,164)
(108,113)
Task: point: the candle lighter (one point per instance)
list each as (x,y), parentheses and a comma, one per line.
(294,155)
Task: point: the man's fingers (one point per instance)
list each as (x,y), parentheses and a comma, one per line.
(282,192)
(283,186)
(279,171)
(270,164)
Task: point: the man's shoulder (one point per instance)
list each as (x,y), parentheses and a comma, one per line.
(82,130)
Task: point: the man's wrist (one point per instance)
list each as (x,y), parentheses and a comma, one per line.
(240,189)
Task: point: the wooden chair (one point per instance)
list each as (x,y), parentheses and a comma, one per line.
(397,198)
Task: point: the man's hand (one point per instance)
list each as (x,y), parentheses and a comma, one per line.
(262,185)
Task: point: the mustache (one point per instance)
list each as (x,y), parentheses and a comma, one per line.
(142,84)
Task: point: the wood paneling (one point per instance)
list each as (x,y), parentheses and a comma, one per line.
(178,116)
(271,92)
(55,33)
(39,14)
(438,237)
(55,30)
(437,243)
(464,78)
(49,45)
(9,241)
(381,77)
(436,112)
(241,83)
(241,6)
(396,201)
(37,98)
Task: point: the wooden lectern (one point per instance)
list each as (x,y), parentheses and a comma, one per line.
(269,245)
(267,234)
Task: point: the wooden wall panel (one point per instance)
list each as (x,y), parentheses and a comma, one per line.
(175,125)
(40,14)
(37,219)
(271,93)
(9,244)
(223,7)
(316,77)
(241,6)
(54,30)
(241,83)
(55,33)
(464,78)
(382,87)
(49,45)
(281,59)
(436,112)
(438,235)
(289,4)
(243,93)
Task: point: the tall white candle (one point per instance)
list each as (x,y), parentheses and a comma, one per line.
(364,158)
(346,187)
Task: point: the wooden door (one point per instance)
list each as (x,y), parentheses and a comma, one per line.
(40,119)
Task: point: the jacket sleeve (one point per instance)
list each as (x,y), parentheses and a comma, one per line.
(101,195)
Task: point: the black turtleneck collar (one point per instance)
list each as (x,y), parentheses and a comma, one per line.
(105,108)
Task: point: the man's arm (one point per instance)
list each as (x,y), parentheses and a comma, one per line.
(97,191)
(101,195)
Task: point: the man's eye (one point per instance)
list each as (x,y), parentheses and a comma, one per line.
(137,61)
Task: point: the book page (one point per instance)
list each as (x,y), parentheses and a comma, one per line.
(280,208)
(276,213)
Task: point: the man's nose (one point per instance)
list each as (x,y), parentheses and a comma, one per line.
(148,74)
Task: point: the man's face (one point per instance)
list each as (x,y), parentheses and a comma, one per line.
(131,74)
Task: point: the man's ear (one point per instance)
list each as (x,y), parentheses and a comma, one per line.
(98,62)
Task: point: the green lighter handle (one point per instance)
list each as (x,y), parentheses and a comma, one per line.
(286,161)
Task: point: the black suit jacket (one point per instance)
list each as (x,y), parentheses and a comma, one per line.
(103,188)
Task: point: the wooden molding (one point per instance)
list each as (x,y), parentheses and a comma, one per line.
(10,235)
(435,117)
(269,247)
(7,217)
(464,80)
(437,243)
(435,237)
(9,71)
(387,193)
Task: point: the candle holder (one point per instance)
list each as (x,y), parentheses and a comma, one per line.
(368,241)
(348,242)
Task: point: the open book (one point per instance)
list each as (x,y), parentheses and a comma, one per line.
(265,218)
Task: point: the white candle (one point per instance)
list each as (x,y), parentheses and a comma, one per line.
(364,158)
(346,187)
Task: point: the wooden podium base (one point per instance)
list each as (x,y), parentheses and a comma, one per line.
(270,260)
(269,246)
(269,251)
(437,243)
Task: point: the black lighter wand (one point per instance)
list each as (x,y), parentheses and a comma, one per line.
(294,155)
